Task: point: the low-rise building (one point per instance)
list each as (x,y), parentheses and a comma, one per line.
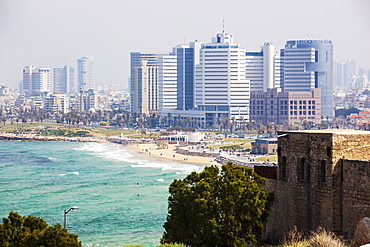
(279,107)
(264,146)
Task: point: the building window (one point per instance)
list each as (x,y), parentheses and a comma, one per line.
(301,169)
(283,172)
(323,171)
(328,151)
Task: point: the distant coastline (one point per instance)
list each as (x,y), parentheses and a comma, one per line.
(34,137)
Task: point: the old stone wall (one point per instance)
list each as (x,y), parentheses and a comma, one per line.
(352,194)
(311,191)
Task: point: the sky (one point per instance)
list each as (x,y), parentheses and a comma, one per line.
(52,33)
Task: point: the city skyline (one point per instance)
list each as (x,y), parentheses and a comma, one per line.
(53,34)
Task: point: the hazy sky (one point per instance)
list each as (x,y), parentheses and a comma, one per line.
(46,33)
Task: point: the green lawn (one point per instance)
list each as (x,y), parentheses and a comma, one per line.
(271,158)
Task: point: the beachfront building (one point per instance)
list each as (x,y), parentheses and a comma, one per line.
(167,81)
(36,81)
(187,58)
(221,88)
(86,73)
(144,82)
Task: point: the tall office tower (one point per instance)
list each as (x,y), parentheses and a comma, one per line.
(349,71)
(36,81)
(63,80)
(338,75)
(144,82)
(86,73)
(263,68)
(187,58)
(309,64)
(167,82)
(221,88)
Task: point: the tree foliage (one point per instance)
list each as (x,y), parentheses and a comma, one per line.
(18,231)
(346,112)
(217,208)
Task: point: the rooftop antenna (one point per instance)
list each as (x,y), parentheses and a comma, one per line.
(223,26)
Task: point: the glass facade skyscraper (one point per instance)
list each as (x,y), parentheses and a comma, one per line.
(86,73)
(185,78)
(309,64)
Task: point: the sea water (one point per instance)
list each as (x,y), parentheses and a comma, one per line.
(122,197)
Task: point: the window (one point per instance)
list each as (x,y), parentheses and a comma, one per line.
(301,169)
(328,151)
(283,172)
(323,171)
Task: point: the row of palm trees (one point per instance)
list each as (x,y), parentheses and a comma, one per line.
(142,121)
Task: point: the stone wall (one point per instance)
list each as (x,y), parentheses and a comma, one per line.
(308,191)
(352,194)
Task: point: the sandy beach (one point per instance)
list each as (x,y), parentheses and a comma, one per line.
(150,150)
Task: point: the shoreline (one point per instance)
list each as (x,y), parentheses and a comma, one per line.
(150,150)
(145,147)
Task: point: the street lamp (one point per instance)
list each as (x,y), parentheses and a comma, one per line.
(74,208)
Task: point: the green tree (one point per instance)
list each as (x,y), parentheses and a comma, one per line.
(18,231)
(217,208)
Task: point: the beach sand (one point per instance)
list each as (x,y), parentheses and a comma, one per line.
(150,150)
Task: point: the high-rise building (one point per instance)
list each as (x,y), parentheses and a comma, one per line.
(349,73)
(187,58)
(263,68)
(86,73)
(36,81)
(63,80)
(167,82)
(221,88)
(338,75)
(144,82)
(309,64)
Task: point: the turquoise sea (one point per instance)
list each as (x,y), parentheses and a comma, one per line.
(122,196)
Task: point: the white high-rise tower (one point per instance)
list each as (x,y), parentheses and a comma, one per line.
(221,88)
(86,73)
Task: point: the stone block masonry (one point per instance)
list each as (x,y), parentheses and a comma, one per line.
(322,181)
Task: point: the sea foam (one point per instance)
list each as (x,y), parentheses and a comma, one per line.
(115,152)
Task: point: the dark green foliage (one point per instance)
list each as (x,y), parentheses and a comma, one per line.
(31,231)
(64,132)
(214,208)
(346,112)
(233,147)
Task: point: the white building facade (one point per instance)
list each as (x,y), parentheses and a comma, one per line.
(167,82)
(221,88)
(263,68)
(36,81)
